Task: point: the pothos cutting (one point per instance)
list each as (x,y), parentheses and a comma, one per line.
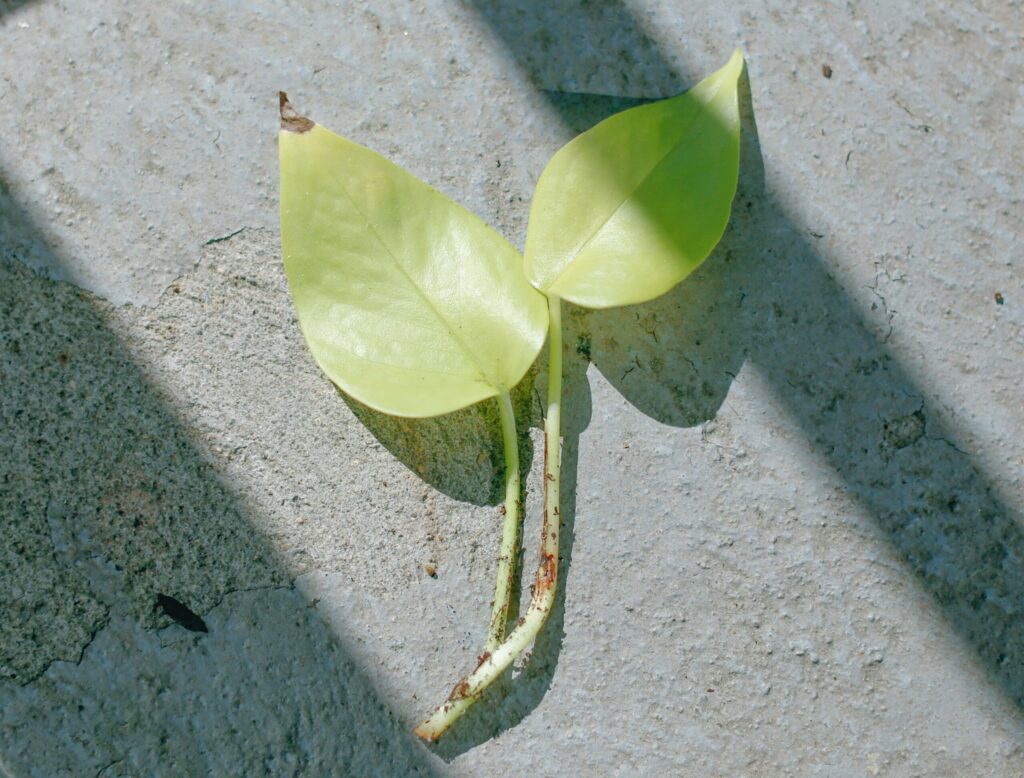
(415,307)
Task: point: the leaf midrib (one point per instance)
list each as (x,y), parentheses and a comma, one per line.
(586,241)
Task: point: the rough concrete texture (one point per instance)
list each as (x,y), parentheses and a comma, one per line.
(792,485)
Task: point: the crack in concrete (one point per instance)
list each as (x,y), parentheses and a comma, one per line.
(104,580)
(94,634)
(229,236)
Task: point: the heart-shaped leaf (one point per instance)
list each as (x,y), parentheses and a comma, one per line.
(409,302)
(629,208)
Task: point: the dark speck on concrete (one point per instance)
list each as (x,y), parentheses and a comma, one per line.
(180,613)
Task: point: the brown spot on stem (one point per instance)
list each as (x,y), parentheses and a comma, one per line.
(548,572)
(290,120)
(460,692)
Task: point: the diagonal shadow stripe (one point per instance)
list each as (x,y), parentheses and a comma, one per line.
(107,503)
(766,295)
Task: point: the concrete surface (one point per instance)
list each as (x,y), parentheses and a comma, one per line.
(793,485)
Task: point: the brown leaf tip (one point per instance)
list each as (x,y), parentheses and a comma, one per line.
(290,120)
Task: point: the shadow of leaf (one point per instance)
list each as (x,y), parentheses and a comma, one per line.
(768,295)
(675,357)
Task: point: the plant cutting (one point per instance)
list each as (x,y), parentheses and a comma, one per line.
(415,307)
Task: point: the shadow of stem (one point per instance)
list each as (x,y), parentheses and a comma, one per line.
(519,691)
(460,453)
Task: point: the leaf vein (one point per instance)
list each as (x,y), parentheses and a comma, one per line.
(586,241)
(422,295)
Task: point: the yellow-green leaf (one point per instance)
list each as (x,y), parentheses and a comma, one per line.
(628,209)
(409,302)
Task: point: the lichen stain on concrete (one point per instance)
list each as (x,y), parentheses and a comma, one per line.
(901,432)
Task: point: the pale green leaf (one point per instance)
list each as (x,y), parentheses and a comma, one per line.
(409,302)
(626,210)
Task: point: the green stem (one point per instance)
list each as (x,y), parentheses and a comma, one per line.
(509,552)
(493,663)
